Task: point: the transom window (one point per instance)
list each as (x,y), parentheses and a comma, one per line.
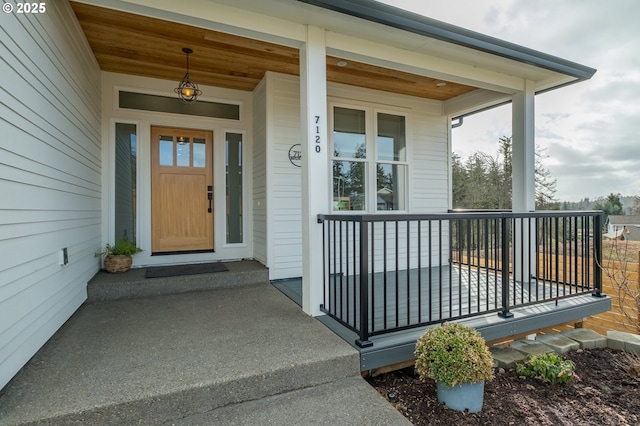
(369,163)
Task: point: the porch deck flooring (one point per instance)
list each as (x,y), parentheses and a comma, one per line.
(434,294)
(398,346)
(179,358)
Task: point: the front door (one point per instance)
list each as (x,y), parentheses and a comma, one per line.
(181,190)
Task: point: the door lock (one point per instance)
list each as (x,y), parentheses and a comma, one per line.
(210,196)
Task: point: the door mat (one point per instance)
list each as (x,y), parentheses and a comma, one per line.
(177,270)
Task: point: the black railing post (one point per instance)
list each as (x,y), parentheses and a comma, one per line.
(364,341)
(597,255)
(504,313)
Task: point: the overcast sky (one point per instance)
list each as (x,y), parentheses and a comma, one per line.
(590,130)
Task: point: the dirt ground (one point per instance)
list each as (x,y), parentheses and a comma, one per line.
(608,394)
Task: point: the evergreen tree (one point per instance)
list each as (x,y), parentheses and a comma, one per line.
(484,182)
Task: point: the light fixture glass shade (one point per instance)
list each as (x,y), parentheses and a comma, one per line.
(187,90)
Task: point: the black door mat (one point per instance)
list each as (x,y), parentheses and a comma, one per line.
(177,270)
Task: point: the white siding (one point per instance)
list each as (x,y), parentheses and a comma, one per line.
(260,174)
(428,192)
(50,177)
(428,164)
(285,179)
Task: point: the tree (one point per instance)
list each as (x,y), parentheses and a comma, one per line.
(612,205)
(484,181)
(545,186)
(635,209)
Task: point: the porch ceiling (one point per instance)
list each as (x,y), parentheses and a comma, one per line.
(134,44)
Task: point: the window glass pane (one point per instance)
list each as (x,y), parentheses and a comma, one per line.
(183,152)
(234,187)
(390,186)
(349,185)
(166,151)
(199,153)
(391,137)
(174,105)
(349,138)
(125,181)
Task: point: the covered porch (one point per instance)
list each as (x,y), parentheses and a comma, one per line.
(241,355)
(389,277)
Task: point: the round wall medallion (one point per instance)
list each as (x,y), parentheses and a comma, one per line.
(295,155)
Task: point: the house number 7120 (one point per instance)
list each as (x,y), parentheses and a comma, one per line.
(317,123)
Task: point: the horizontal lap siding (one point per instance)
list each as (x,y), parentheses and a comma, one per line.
(50,177)
(285,184)
(428,153)
(260,174)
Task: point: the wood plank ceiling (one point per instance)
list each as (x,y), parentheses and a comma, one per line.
(138,45)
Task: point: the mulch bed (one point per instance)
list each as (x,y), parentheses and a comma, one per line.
(607,394)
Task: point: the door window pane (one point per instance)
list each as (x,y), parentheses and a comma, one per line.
(199,153)
(125,181)
(166,150)
(391,139)
(349,139)
(183,152)
(349,185)
(234,187)
(390,186)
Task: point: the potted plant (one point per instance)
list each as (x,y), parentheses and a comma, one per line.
(118,256)
(457,358)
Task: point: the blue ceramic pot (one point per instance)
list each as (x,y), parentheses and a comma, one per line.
(465,396)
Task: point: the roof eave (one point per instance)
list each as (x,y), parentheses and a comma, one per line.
(384,14)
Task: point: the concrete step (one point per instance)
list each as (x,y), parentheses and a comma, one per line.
(347,402)
(157,360)
(133,284)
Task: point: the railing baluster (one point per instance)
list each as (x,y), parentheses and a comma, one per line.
(476,242)
(373,277)
(419,270)
(384,272)
(364,341)
(395,266)
(597,255)
(504,313)
(408,272)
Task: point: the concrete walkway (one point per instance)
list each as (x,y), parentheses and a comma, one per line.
(231,356)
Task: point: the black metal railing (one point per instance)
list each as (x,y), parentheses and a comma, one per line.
(392,272)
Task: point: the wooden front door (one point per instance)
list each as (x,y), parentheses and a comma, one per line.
(181,190)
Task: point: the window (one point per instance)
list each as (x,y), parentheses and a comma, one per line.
(145,102)
(391,169)
(360,158)
(233,148)
(125,182)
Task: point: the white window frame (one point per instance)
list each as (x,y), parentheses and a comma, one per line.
(371,160)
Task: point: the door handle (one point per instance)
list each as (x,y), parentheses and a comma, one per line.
(210,196)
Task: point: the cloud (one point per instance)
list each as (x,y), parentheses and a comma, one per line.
(591,130)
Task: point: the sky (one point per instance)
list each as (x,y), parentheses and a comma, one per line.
(590,131)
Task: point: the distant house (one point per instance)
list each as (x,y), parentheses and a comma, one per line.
(624,227)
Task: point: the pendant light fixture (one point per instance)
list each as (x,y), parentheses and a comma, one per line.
(187,90)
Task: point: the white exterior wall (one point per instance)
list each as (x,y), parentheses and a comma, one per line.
(428,153)
(50,177)
(284,179)
(260,184)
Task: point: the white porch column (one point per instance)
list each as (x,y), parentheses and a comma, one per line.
(524,152)
(523,175)
(315,166)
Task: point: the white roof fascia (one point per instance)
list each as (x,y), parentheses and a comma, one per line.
(401,19)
